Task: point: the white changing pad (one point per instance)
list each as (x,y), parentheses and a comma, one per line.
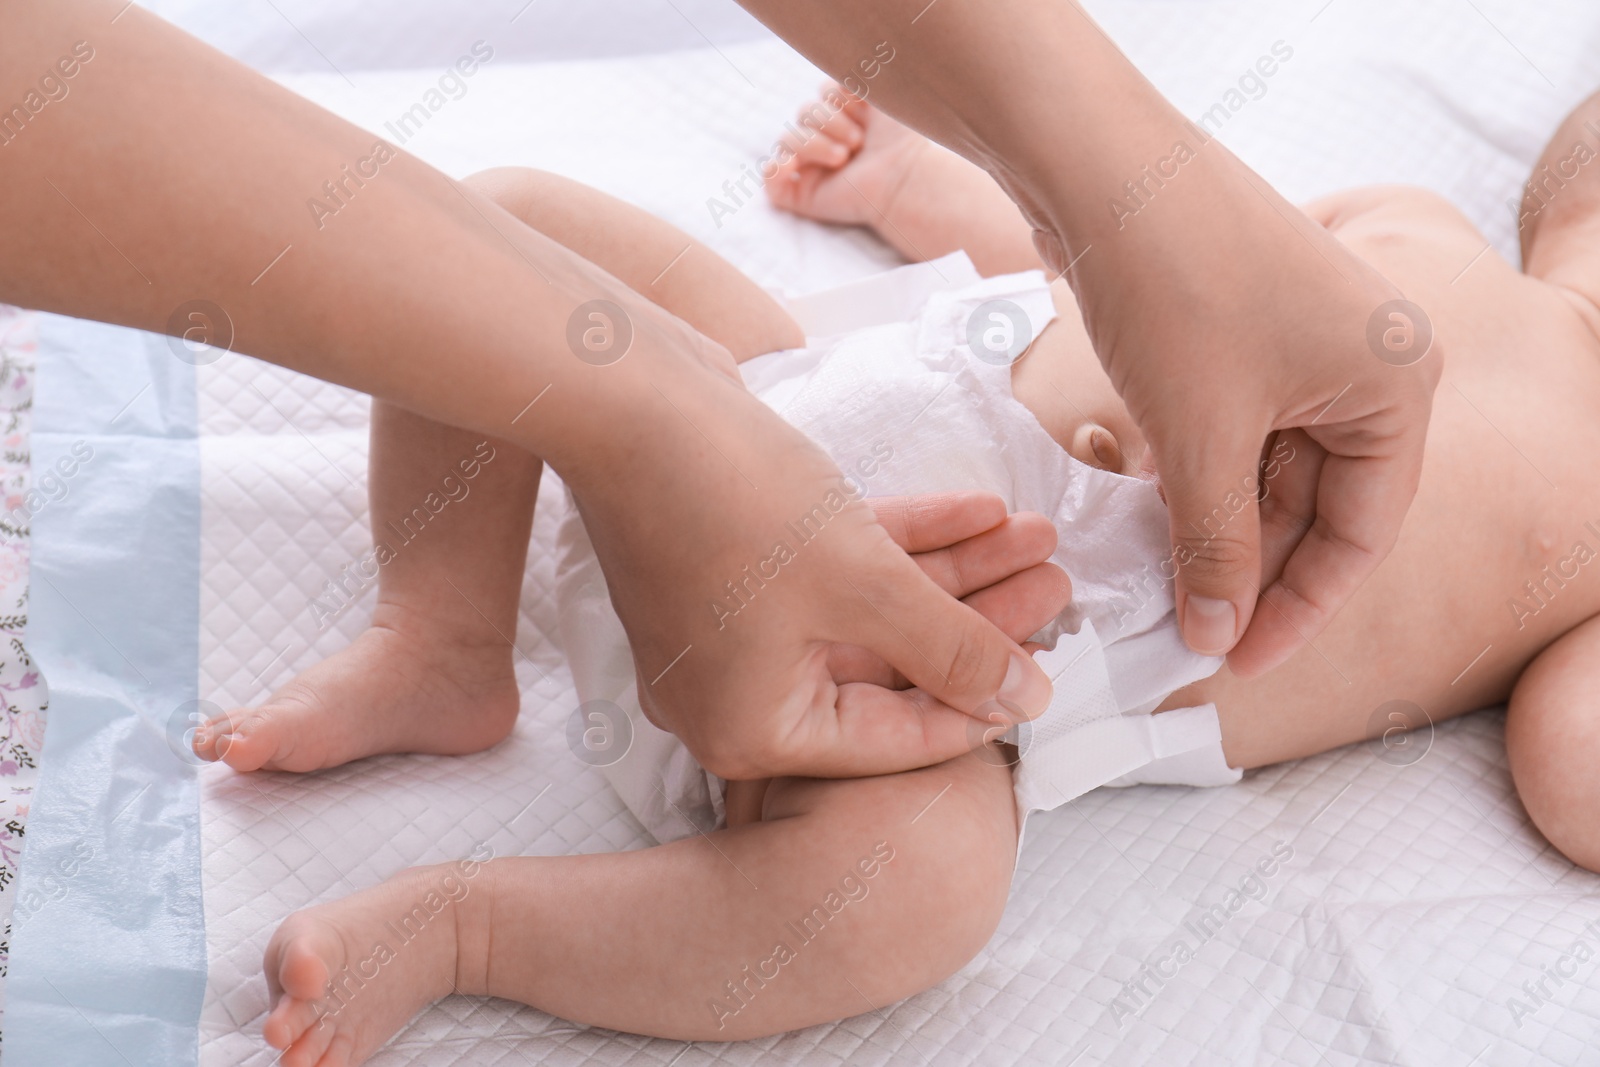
(1414,900)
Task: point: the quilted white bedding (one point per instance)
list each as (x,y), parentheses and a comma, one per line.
(1347,909)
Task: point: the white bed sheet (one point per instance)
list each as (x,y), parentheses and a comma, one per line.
(1418,899)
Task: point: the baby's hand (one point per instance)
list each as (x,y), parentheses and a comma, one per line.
(847,161)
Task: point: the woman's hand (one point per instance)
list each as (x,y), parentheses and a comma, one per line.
(1227,320)
(740,562)
(1284,387)
(997,564)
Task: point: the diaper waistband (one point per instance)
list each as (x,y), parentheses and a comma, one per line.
(894,296)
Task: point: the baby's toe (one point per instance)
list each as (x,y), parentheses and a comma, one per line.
(296,964)
(309,1050)
(302,968)
(208,742)
(289,1021)
(339,1050)
(249,745)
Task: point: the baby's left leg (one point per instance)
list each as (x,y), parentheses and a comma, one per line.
(848,895)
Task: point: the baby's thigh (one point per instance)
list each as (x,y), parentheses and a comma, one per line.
(648,254)
(941,843)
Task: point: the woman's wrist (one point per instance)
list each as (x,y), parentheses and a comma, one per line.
(610,411)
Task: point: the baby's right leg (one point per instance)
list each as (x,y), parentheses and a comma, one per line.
(847,896)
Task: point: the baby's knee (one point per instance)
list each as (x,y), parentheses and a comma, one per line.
(944,846)
(509,187)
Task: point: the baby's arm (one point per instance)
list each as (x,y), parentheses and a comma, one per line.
(1558,221)
(857,166)
(1553,742)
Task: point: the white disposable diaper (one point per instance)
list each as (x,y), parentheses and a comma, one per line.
(894,391)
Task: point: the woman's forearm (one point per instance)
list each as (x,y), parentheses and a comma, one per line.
(167,173)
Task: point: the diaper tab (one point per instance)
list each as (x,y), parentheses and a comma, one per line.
(1086,739)
(1082,740)
(1188,747)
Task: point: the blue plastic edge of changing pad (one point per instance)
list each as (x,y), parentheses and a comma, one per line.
(108,962)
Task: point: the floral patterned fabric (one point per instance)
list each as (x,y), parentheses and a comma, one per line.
(22,690)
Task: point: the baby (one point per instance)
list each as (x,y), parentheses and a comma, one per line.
(726,931)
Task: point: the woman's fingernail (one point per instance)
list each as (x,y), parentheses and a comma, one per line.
(1026,687)
(1209,624)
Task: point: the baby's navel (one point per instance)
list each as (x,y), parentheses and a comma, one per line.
(1097,446)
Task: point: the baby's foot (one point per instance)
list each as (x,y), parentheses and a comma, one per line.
(345,976)
(849,164)
(399,687)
